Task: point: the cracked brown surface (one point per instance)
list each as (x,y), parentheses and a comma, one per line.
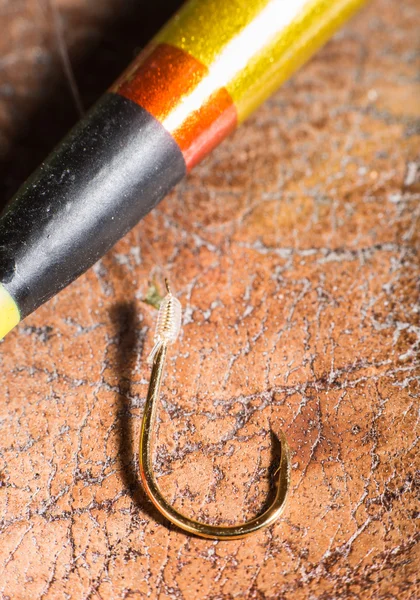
(294,250)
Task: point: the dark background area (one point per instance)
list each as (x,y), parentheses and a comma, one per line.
(97,45)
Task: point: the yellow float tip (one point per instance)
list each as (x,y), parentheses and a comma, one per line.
(9,312)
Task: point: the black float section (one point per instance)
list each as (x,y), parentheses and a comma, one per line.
(107,174)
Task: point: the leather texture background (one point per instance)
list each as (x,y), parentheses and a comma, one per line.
(294,251)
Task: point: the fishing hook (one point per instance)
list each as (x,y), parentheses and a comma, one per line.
(167,329)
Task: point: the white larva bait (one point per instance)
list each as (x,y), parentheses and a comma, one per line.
(168,323)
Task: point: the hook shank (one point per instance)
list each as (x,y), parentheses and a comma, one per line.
(229,532)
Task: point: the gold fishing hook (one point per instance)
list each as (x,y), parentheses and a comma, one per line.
(167,329)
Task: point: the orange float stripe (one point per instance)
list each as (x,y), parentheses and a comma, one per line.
(172,86)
